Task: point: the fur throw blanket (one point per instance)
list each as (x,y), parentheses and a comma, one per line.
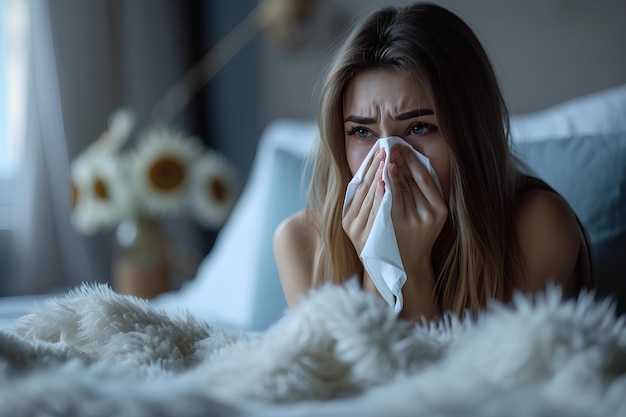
(339,352)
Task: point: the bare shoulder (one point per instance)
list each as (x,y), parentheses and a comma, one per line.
(548,236)
(295,233)
(296,223)
(294,247)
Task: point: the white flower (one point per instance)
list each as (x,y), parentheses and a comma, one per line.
(213,190)
(101,197)
(160,170)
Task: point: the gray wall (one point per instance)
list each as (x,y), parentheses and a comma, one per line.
(113,52)
(544,51)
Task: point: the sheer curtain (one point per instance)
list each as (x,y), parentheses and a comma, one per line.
(86,59)
(46,254)
(13,63)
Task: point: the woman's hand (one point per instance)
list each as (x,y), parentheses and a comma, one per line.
(418,210)
(361,211)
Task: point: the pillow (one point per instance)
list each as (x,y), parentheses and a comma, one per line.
(601,112)
(590,173)
(237,284)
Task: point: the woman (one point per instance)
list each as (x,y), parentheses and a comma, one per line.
(421,74)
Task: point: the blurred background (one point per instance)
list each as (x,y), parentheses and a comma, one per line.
(67,65)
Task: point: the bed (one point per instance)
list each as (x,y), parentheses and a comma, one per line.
(225,344)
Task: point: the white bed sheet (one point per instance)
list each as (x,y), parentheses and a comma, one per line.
(12,308)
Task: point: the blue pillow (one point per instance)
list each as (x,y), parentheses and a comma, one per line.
(590,173)
(287,197)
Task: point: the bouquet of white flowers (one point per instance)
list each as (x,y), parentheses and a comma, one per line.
(165,173)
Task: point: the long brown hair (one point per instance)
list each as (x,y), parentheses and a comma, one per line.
(476,257)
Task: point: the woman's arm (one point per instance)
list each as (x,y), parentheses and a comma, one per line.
(293,251)
(549,240)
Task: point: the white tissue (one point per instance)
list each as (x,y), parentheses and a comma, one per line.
(381,256)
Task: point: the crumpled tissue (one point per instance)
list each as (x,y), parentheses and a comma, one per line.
(380,255)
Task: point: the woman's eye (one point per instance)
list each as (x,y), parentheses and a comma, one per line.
(360,132)
(421,129)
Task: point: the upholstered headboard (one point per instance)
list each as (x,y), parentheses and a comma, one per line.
(579,148)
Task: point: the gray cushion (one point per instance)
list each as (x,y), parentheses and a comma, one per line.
(590,173)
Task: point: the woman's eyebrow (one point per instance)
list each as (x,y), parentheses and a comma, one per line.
(360,120)
(402,116)
(414,113)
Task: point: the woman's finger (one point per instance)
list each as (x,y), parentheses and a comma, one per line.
(363,209)
(379,191)
(402,192)
(370,196)
(415,199)
(398,190)
(368,177)
(422,179)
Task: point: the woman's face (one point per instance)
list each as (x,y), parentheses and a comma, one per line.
(378,104)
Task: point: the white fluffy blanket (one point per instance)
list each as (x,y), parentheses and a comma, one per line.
(340,352)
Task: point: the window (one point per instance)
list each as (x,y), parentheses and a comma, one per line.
(13,73)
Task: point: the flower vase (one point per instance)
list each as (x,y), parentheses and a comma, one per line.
(140,266)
